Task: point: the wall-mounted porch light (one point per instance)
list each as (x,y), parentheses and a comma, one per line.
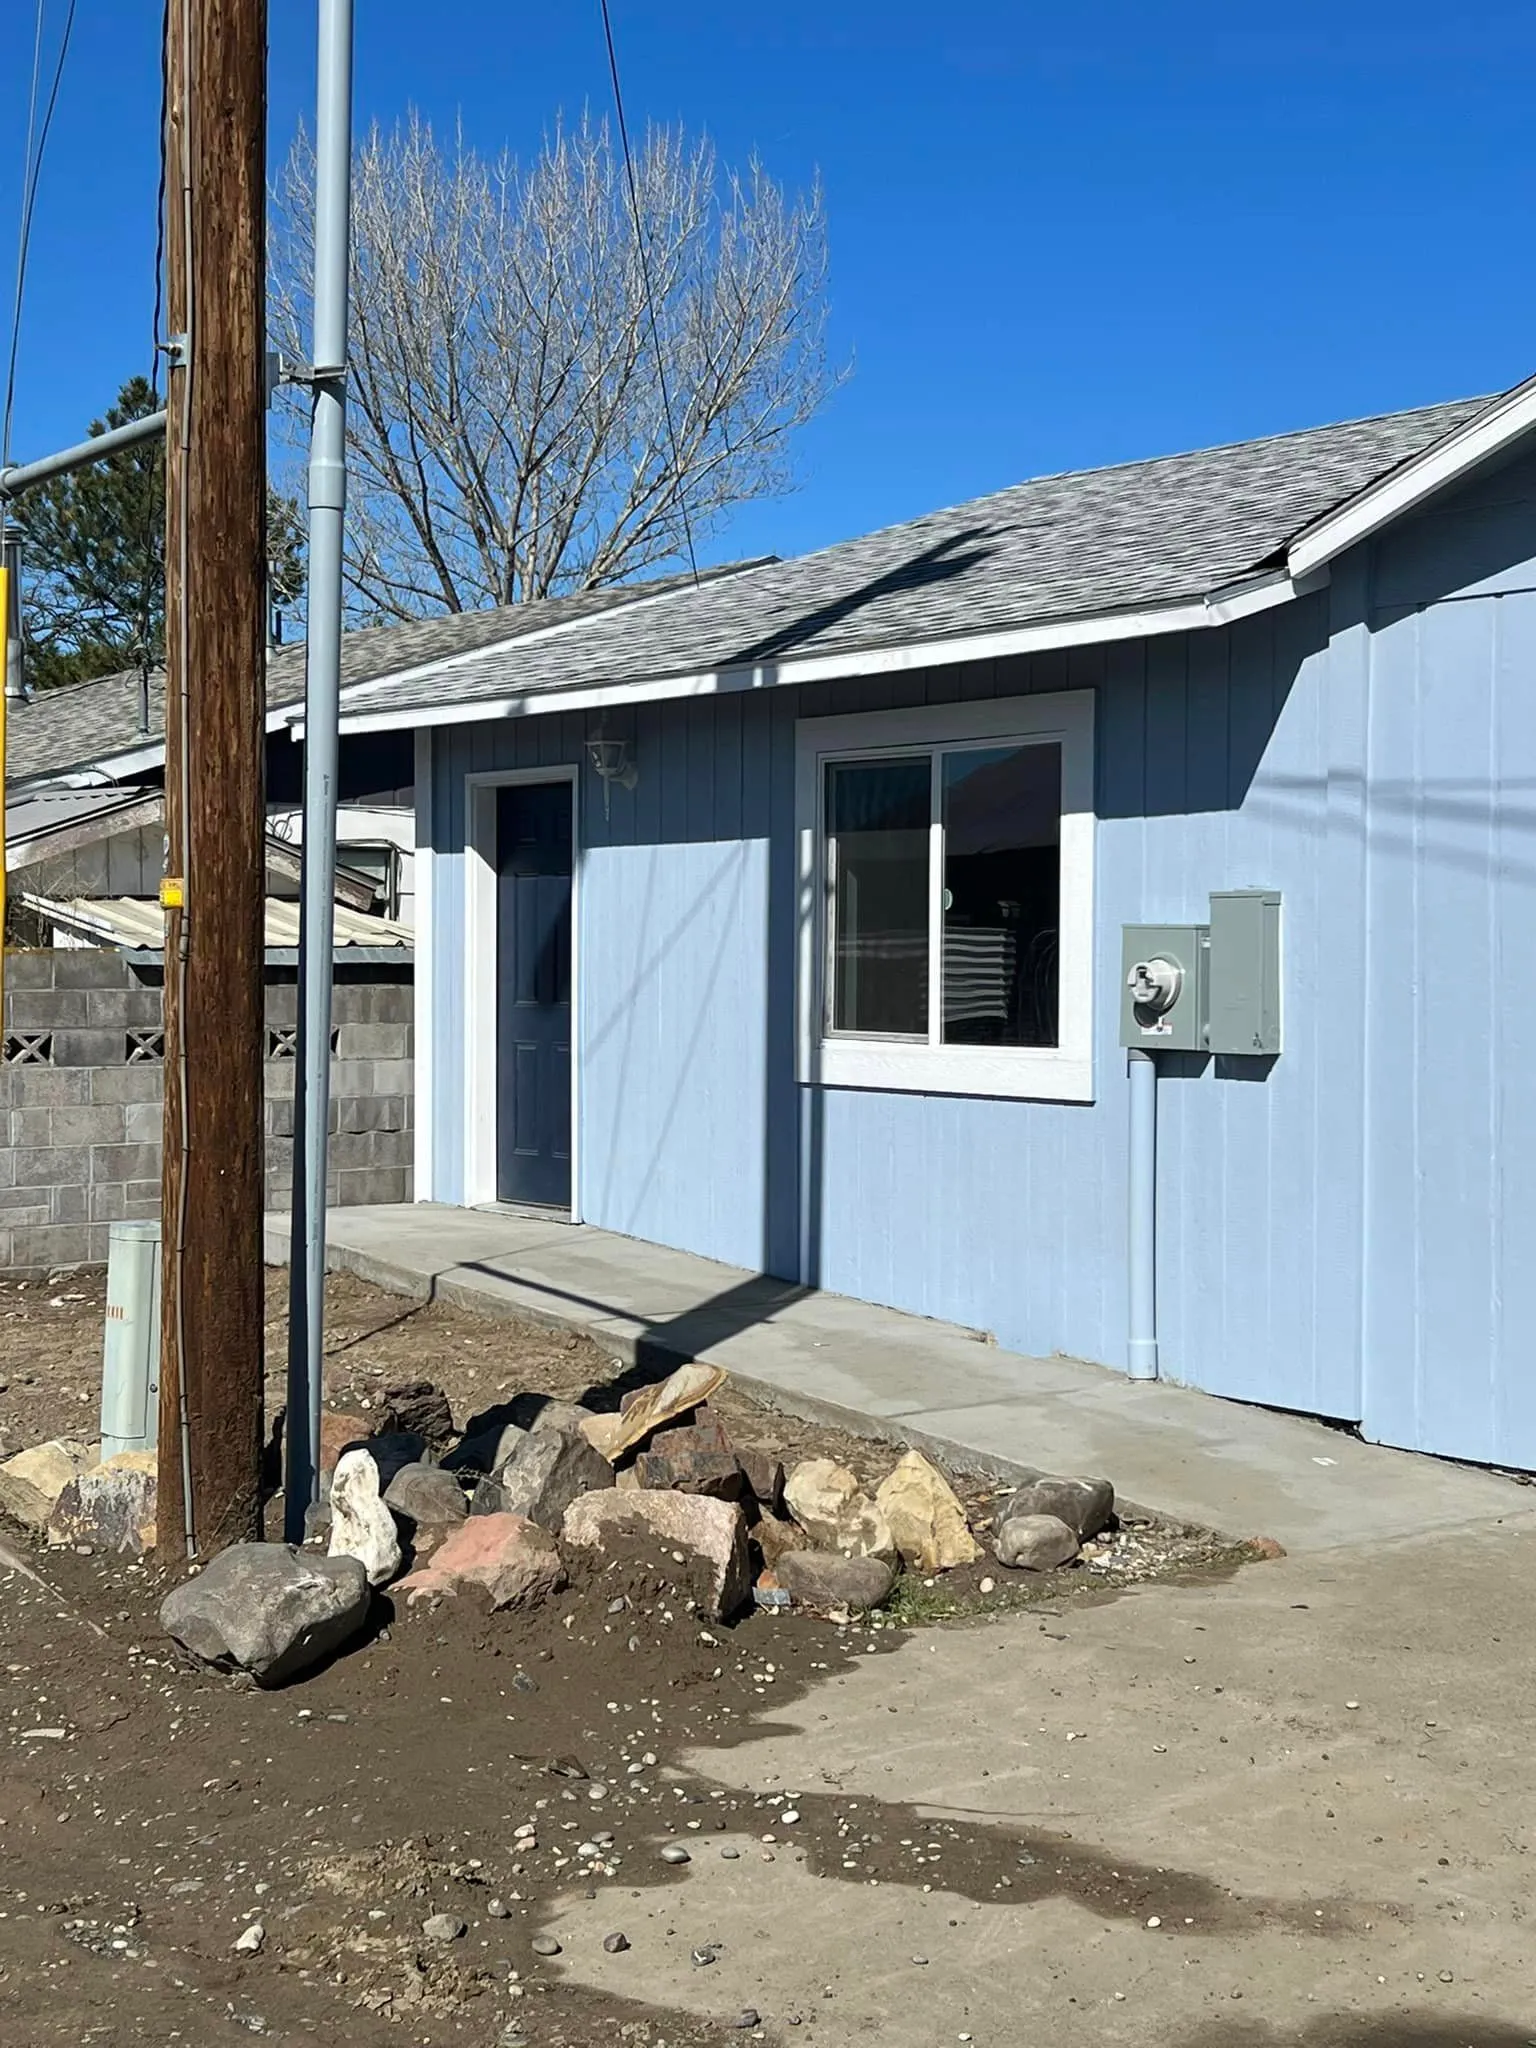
(611,764)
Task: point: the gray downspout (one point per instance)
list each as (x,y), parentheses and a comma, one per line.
(322,699)
(1141,1341)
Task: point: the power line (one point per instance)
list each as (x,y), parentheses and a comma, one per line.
(30,177)
(645,279)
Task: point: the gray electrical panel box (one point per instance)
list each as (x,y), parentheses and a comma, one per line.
(1163,986)
(1245,971)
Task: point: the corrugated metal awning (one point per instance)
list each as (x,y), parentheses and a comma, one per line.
(138,925)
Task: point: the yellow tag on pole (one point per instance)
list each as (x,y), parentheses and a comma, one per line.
(173,893)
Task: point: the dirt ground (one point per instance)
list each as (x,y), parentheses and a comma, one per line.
(493,1768)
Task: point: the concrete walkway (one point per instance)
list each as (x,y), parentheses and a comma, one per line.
(1242,1470)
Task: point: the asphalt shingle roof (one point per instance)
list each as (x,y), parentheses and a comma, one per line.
(1082,544)
(58,731)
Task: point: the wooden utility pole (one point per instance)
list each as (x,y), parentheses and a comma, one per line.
(211,1315)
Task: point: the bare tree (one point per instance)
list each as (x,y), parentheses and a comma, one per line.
(512,377)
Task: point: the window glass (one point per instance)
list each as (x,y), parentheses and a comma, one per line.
(1002,895)
(878,815)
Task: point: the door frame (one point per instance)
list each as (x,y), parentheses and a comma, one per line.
(480,1076)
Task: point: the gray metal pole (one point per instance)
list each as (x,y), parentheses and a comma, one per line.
(1141,1343)
(322,695)
(21,476)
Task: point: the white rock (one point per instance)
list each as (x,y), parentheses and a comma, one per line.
(828,1503)
(31,1482)
(361,1525)
(250,1942)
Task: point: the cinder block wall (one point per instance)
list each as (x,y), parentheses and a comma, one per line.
(80,1096)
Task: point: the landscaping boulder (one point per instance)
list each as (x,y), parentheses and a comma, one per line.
(419,1408)
(822,1580)
(1085,1505)
(487,1450)
(712,1530)
(648,1409)
(361,1525)
(338,1430)
(513,1559)
(427,1496)
(545,1412)
(268,1609)
(1035,1543)
(774,1536)
(834,1511)
(693,1457)
(548,1470)
(765,1477)
(391,1450)
(925,1517)
(31,1482)
(110,1506)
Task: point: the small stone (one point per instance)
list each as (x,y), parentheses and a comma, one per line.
(498,1909)
(444,1927)
(987,1586)
(615,1944)
(361,1525)
(789,1817)
(250,1942)
(545,1945)
(747,2018)
(921,1962)
(702,1958)
(730,1855)
(674,1852)
(1154,1921)
(1035,1543)
(1446,1977)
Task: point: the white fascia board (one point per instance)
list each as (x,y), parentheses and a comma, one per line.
(1487,434)
(1219,608)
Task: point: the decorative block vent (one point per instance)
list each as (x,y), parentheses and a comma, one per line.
(29,1049)
(284,1044)
(142,1048)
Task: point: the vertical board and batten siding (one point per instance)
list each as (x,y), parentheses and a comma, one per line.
(1344,1230)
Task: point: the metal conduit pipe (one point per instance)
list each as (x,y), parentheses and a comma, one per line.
(1141,1262)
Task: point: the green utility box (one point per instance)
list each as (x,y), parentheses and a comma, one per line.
(1245,971)
(1163,971)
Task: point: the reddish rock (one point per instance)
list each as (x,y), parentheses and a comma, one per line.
(1264,1548)
(338,1430)
(515,1561)
(693,1457)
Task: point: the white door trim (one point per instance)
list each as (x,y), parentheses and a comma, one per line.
(424,1075)
(480,976)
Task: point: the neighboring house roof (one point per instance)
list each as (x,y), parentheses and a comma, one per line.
(53,821)
(138,925)
(1180,541)
(98,724)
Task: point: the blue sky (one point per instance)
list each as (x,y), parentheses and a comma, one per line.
(1059,237)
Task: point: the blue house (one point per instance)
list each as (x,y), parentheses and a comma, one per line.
(780,919)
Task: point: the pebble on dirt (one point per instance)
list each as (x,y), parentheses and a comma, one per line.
(444,1927)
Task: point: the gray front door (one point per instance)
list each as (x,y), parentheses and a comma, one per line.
(533,994)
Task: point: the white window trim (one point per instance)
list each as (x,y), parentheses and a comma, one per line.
(1061,1073)
(480,977)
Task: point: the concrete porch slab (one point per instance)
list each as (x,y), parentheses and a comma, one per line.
(1245,1471)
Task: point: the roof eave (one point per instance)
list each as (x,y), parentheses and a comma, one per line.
(1488,434)
(1219,607)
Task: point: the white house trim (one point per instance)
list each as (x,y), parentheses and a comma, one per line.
(1486,434)
(424,884)
(1238,600)
(479,984)
(1063,1073)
